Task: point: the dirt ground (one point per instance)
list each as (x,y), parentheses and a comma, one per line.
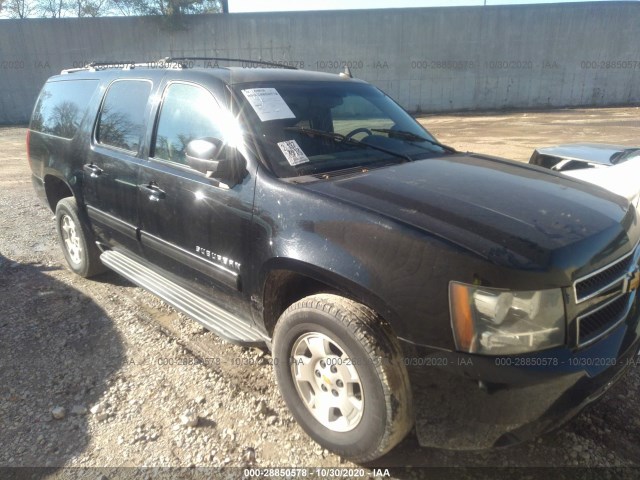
(125,366)
(515,135)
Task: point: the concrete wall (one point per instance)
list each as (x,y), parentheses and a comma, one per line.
(429,59)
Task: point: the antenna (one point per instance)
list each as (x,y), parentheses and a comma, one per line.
(346,73)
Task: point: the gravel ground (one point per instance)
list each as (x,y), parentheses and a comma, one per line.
(101,373)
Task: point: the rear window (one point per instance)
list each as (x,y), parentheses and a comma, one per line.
(121,123)
(61,107)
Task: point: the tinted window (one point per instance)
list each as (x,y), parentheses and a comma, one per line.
(188,112)
(61,106)
(121,122)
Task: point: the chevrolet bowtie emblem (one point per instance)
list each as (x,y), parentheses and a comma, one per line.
(634,281)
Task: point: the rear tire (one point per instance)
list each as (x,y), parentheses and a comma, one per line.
(75,237)
(340,370)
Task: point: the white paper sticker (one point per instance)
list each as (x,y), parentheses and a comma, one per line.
(293,153)
(268,104)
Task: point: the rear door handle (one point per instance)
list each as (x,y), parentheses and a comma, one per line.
(154,192)
(92,170)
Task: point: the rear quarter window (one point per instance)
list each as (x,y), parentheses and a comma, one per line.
(61,107)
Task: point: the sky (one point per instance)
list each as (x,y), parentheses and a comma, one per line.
(237,6)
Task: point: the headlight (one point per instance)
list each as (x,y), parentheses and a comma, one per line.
(500,322)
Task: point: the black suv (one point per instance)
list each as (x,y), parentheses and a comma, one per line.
(396,281)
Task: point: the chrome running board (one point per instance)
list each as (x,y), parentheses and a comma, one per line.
(219,321)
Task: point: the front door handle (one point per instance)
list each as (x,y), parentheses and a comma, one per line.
(92,170)
(154,192)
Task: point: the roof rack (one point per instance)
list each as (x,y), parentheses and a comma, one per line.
(175,62)
(180,60)
(124,65)
(93,66)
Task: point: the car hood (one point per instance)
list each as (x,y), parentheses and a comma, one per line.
(586,152)
(623,179)
(508,212)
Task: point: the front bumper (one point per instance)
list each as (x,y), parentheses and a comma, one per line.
(469,402)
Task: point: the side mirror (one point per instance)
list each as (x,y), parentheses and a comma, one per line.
(216,160)
(201,155)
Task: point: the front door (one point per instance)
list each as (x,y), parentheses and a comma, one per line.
(192,226)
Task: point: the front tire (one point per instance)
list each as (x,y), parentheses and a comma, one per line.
(340,370)
(80,252)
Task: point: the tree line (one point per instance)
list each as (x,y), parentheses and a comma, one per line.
(104,8)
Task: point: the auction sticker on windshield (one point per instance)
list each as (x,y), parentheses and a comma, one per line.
(293,153)
(268,104)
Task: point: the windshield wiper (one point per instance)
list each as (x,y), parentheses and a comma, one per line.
(339,138)
(405,135)
(624,155)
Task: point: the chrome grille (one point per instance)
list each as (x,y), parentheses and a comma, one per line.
(608,290)
(601,320)
(601,281)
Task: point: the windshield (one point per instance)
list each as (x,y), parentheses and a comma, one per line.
(308,128)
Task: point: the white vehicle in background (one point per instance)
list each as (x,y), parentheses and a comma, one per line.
(614,167)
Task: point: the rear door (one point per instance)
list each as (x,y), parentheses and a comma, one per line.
(112,165)
(194,227)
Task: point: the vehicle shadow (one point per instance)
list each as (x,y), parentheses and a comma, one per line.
(57,349)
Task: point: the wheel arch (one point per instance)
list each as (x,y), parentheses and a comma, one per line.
(56,188)
(285,281)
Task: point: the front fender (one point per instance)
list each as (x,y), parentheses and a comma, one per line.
(393,268)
